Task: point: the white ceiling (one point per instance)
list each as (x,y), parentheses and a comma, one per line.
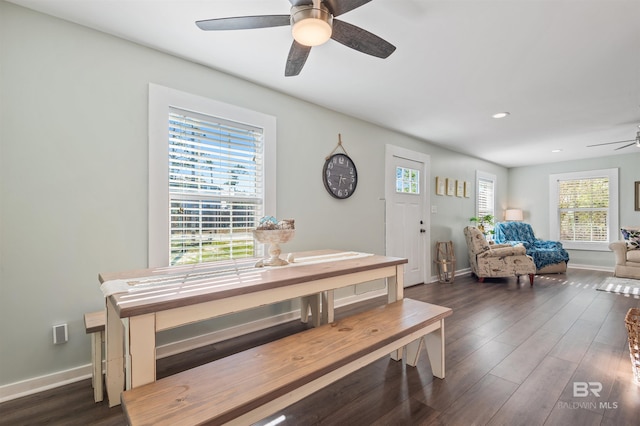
(567,71)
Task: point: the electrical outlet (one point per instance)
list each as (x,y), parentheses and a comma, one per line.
(60,334)
(434,209)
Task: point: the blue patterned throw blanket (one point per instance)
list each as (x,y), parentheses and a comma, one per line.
(543,252)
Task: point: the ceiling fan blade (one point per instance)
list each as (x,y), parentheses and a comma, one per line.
(622,147)
(244,22)
(361,40)
(297,57)
(339,7)
(611,143)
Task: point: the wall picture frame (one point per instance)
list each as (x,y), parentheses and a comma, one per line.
(467,189)
(637,196)
(440,185)
(451,186)
(459,188)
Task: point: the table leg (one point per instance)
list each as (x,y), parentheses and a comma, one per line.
(305,304)
(114,343)
(395,285)
(327,307)
(395,292)
(142,349)
(311,302)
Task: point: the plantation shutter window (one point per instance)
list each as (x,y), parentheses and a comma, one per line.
(485,197)
(216,187)
(584,209)
(583,206)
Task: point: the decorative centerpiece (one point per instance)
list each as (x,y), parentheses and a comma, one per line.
(274,233)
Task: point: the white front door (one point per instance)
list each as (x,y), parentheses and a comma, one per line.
(407,203)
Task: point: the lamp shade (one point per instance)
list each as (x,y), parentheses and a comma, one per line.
(513,215)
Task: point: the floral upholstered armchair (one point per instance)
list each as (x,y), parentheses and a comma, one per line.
(549,256)
(627,253)
(496,260)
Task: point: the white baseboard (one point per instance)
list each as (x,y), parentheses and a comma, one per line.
(42,383)
(590,267)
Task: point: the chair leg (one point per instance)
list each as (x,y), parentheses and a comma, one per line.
(531,279)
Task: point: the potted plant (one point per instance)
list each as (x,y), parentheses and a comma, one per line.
(482,221)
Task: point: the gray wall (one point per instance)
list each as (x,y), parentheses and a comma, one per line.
(73,178)
(528,190)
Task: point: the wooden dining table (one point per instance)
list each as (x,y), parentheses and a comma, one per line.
(142,302)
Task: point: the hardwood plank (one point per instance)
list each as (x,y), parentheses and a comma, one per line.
(576,341)
(480,403)
(596,367)
(408,412)
(440,394)
(517,366)
(621,406)
(461,348)
(567,414)
(534,400)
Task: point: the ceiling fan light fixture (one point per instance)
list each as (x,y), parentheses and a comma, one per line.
(311,26)
(638,139)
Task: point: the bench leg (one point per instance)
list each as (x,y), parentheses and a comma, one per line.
(413,351)
(434,343)
(96,360)
(114,355)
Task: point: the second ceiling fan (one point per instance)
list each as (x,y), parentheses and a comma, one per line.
(312,23)
(635,142)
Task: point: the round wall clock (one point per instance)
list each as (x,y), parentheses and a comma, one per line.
(340,176)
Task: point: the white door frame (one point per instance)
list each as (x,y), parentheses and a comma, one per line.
(389,175)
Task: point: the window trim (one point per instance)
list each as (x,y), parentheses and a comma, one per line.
(160,99)
(554,219)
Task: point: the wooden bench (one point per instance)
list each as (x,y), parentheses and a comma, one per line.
(94,324)
(253,384)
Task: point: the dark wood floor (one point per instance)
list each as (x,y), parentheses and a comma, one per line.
(513,357)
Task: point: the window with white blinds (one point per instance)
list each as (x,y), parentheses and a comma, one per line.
(485,195)
(215,187)
(211,178)
(584,208)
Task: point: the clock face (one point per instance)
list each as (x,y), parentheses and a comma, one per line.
(340,176)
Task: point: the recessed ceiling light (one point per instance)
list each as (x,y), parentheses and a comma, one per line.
(501,114)
(556,150)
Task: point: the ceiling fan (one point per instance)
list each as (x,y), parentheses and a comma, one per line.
(635,142)
(312,23)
